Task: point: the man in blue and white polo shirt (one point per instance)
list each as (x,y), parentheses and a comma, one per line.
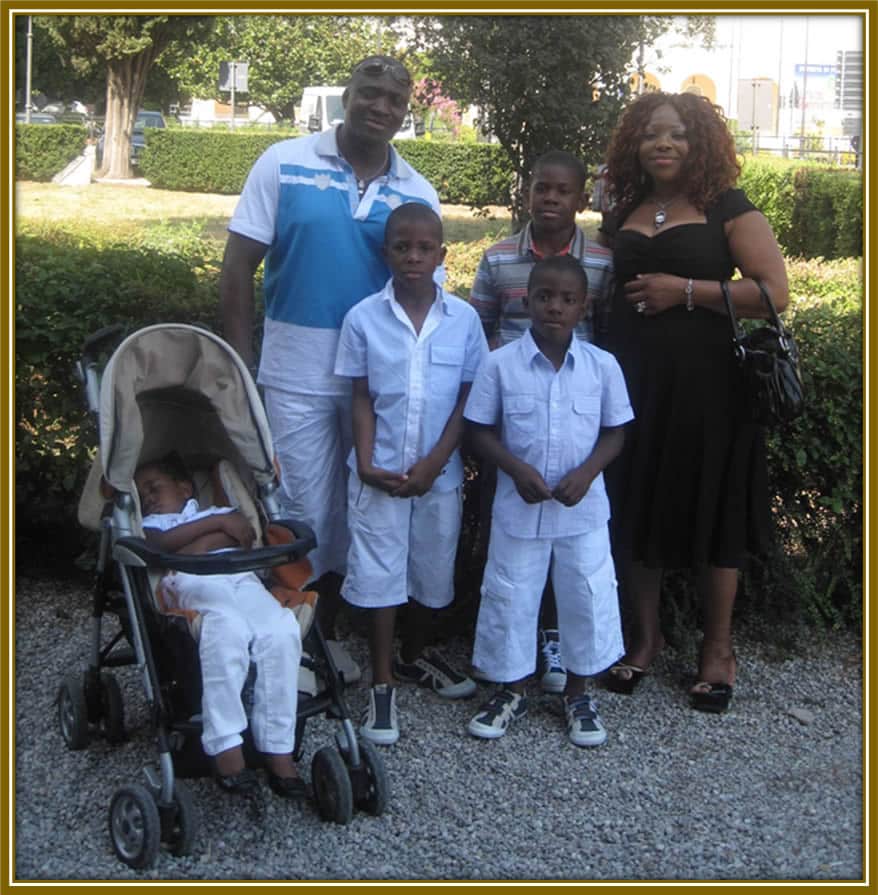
(314,208)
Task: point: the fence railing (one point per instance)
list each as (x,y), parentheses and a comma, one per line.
(842,151)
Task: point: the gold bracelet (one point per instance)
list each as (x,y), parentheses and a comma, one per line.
(690,295)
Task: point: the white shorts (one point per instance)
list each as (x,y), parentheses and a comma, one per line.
(401,547)
(312,439)
(584,581)
(240,619)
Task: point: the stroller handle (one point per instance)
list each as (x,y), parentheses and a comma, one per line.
(227,562)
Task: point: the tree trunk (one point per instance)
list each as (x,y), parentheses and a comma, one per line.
(126,82)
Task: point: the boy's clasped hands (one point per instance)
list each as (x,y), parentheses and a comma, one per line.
(417,481)
(532,488)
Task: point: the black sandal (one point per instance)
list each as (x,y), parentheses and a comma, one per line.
(715,699)
(287,787)
(241,783)
(623,678)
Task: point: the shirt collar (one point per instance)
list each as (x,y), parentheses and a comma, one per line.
(576,247)
(531,350)
(327,145)
(388,294)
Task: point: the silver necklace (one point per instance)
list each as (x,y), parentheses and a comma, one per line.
(363,182)
(661,214)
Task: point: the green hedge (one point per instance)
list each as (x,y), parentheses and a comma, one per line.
(204,161)
(216,161)
(42,150)
(70,283)
(474,174)
(815,211)
(816,463)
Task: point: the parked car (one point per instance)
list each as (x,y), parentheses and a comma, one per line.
(145,119)
(35,118)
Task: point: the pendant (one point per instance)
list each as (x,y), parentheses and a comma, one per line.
(660,218)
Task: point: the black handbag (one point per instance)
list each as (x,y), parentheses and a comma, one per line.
(769,360)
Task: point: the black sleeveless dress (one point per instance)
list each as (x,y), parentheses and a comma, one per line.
(690,485)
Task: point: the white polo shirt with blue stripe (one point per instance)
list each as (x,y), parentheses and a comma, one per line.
(324,251)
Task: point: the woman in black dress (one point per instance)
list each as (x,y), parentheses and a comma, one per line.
(689,490)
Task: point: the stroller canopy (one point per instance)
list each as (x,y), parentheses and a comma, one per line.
(178,387)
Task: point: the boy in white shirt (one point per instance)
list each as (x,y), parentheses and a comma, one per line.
(548,410)
(412,351)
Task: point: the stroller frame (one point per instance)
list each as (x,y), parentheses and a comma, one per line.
(142,817)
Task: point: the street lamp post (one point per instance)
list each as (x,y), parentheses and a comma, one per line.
(28,68)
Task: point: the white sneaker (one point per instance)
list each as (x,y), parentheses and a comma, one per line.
(380,724)
(344,662)
(584,727)
(491,721)
(553,675)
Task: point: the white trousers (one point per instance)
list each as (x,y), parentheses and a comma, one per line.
(401,547)
(584,581)
(312,440)
(241,618)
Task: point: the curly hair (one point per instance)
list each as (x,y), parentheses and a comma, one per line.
(710,167)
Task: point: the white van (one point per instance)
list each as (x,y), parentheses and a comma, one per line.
(321,109)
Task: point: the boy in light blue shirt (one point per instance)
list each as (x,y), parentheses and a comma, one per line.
(412,352)
(548,410)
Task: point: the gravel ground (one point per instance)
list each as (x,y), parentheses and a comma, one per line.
(770,790)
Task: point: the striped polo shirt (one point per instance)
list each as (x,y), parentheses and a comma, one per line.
(501,284)
(324,251)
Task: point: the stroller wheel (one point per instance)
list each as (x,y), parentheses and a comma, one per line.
(332,786)
(73,712)
(370,781)
(135,828)
(112,709)
(186,821)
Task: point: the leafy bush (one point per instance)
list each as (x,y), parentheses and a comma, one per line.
(816,463)
(815,211)
(474,174)
(204,161)
(70,283)
(42,150)
(218,161)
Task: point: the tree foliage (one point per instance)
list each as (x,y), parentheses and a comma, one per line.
(285,54)
(126,48)
(53,75)
(542,82)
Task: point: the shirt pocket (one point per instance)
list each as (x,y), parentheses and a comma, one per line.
(520,423)
(586,418)
(446,368)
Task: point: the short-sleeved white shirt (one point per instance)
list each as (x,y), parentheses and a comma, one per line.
(414,378)
(551,420)
(189,513)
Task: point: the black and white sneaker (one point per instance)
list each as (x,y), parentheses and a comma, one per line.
(431,670)
(492,719)
(584,727)
(379,720)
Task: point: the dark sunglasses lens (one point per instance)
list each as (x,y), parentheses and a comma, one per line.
(376,69)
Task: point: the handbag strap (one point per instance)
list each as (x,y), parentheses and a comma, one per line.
(766,297)
(736,334)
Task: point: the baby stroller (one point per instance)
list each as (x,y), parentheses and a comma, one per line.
(176,387)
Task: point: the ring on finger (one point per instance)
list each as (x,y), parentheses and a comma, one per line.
(640,307)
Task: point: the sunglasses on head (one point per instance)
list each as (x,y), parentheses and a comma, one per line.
(375,68)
